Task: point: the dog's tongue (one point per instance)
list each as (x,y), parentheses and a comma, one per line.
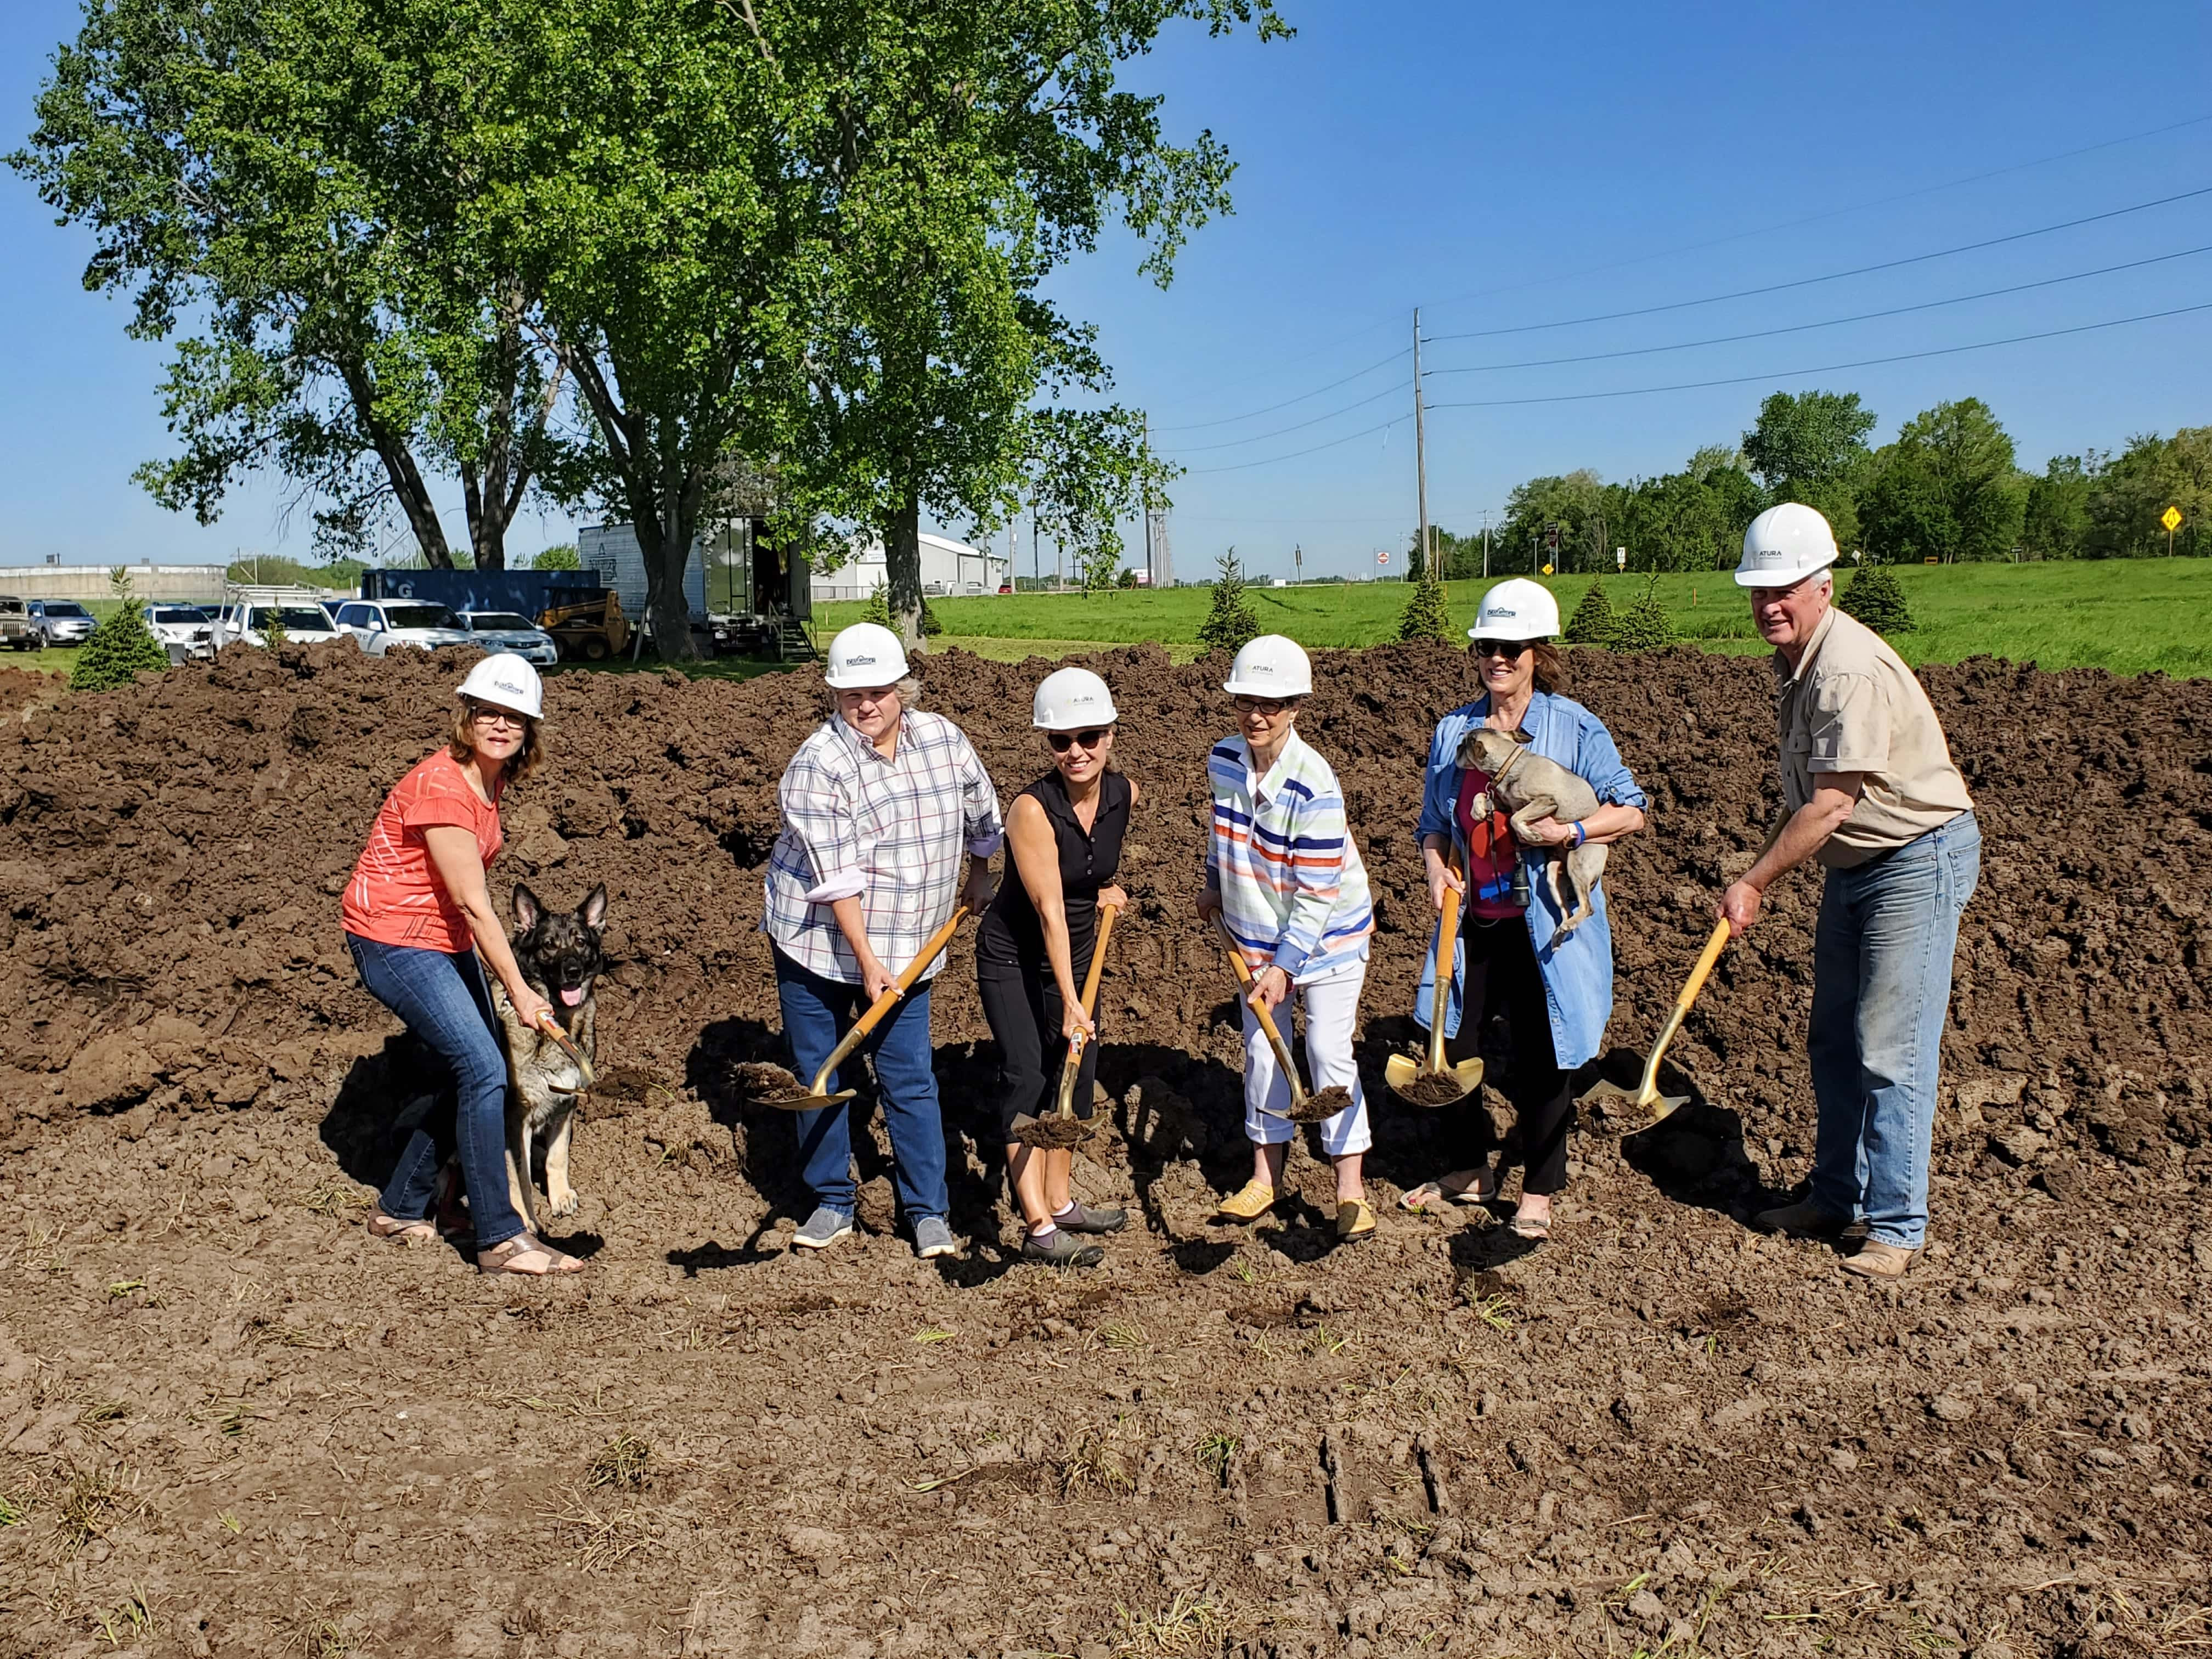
(572,994)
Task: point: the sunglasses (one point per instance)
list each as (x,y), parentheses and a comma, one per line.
(1512,650)
(1061,742)
(1268,706)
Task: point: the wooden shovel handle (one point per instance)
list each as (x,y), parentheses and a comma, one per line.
(1076,1043)
(1714,944)
(915,969)
(1266,1019)
(1446,937)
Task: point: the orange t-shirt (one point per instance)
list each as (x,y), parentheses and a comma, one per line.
(394,896)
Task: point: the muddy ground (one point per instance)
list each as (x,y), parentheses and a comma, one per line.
(231,1424)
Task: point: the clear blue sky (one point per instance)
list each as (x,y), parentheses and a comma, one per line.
(1498,168)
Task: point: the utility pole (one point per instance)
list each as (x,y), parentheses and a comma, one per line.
(1037,570)
(1298,562)
(1420,448)
(1485,544)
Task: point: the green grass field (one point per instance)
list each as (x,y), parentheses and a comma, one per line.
(2130,616)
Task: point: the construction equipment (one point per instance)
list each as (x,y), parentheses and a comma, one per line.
(593,628)
(1063,1129)
(771,1085)
(1646,1095)
(1436,1083)
(1304,1108)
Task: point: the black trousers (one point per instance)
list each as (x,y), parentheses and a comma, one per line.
(1024,1009)
(1502,977)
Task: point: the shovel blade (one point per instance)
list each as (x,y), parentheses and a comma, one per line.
(807,1102)
(1611,1100)
(1429,1090)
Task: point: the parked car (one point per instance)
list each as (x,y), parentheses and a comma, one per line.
(303,624)
(185,630)
(61,621)
(16,631)
(509,630)
(378,626)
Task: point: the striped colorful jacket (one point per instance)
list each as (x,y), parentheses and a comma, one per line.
(1293,890)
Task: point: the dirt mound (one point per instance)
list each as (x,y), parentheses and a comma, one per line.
(1216,1445)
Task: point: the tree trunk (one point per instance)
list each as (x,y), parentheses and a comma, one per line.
(902,572)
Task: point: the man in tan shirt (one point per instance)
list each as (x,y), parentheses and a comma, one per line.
(1874,796)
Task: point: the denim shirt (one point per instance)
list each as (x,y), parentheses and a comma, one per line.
(1577,970)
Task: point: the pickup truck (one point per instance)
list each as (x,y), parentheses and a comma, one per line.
(16,631)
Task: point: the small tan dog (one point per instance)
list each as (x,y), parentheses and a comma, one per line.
(1528,786)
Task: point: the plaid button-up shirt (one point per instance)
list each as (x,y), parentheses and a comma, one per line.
(895,832)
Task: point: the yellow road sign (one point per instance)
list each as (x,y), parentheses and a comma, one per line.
(1547,570)
(2171,519)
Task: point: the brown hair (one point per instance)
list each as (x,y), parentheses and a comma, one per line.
(1550,669)
(462,743)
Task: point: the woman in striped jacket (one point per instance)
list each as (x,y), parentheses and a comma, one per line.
(1283,876)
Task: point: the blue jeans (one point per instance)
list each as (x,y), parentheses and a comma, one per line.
(445,1002)
(1881,990)
(816,1014)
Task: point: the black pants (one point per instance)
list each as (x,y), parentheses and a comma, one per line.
(1502,977)
(1024,1008)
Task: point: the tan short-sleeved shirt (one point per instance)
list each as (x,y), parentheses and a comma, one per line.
(1853,706)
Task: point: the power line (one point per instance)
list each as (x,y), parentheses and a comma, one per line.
(1200,472)
(1831,322)
(1550,279)
(1831,276)
(1259,437)
(1823,368)
(1229,419)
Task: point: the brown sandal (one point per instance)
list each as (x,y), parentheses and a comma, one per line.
(507,1256)
(401,1230)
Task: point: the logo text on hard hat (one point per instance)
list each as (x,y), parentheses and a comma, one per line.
(1500,611)
(861,662)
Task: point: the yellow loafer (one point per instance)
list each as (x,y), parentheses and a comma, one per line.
(1354,1220)
(1248,1203)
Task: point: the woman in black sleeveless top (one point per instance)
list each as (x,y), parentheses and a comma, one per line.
(1064,834)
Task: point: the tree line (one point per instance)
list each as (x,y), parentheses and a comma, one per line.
(674,260)
(1948,487)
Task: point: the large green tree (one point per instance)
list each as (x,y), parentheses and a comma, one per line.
(1576,502)
(282,187)
(1811,447)
(2148,476)
(1946,490)
(2055,521)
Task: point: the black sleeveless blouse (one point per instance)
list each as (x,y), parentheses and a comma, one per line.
(1010,932)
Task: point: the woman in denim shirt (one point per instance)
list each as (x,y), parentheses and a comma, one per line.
(1555,993)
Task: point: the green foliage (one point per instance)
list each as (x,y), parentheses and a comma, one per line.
(121,647)
(1872,595)
(1946,490)
(1424,617)
(273,632)
(1593,622)
(1811,447)
(1574,501)
(878,609)
(1694,519)
(274,570)
(1127,579)
(561,555)
(1644,625)
(2055,520)
(2151,474)
(1232,621)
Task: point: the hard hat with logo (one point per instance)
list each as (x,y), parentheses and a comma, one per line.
(1784,546)
(864,657)
(1270,666)
(505,681)
(1516,609)
(1072,699)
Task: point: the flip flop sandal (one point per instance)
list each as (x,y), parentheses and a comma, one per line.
(400,1230)
(1419,1201)
(1529,1228)
(502,1257)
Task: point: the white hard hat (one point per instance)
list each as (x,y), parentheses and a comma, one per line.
(865,656)
(509,681)
(1517,609)
(1071,699)
(1784,546)
(1270,666)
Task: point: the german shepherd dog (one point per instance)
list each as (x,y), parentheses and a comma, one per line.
(559,954)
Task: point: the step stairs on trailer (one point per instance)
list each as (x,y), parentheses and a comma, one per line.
(792,643)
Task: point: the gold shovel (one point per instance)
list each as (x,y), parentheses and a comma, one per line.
(1436,1083)
(1646,1095)
(1062,1128)
(1304,1108)
(771,1085)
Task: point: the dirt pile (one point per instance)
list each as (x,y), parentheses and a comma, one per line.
(232,1425)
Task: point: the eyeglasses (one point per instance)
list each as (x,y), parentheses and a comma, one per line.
(1512,650)
(1061,742)
(486,716)
(1268,706)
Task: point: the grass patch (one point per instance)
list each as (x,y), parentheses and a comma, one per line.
(15,1508)
(89,1505)
(103,1411)
(1095,1460)
(1188,1626)
(1495,1312)
(1216,1452)
(624,1461)
(1127,1338)
(930,1335)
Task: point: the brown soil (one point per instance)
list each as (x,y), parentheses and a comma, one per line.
(1433,1089)
(1315,1108)
(230,1423)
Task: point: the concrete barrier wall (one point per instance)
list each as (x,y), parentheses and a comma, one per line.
(164,584)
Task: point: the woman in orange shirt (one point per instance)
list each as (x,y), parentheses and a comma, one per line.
(420,923)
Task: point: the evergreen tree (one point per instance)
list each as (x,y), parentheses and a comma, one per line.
(877,610)
(1593,622)
(1643,626)
(120,647)
(1873,595)
(1424,617)
(1232,622)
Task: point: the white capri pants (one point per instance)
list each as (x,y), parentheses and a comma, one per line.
(1331,1006)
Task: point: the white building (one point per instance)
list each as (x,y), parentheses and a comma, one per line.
(948,568)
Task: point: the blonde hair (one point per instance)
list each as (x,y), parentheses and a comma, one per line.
(462,742)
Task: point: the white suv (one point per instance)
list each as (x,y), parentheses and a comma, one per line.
(378,626)
(303,624)
(185,630)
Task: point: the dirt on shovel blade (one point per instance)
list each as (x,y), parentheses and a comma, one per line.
(1434,1088)
(757,1080)
(1052,1133)
(218,1392)
(1325,1103)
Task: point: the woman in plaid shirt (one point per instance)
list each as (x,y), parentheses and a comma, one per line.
(889,820)
(1285,878)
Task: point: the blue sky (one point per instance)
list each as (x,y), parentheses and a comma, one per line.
(1499,168)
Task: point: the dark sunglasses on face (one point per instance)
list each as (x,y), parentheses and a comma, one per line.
(1512,650)
(1089,738)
